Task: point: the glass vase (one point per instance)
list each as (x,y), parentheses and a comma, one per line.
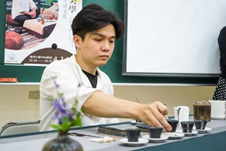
(62,143)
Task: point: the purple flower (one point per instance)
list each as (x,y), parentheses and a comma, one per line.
(55,116)
(68,113)
(60,120)
(62,100)
(54,80)
(65,115)
(57,85)
(58,106)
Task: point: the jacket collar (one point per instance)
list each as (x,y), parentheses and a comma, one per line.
(84,78)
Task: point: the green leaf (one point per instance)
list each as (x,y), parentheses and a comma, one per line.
(56,126)
(66,126)
(65,119)
(76,123)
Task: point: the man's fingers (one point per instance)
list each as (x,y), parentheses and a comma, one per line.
(159,111)
(153,120)
(164,122)
(162,108)
(155,115)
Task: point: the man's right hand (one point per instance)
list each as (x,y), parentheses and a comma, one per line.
(32,14)
(154,114)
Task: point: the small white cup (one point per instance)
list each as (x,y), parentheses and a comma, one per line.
(218,109)
(181,113)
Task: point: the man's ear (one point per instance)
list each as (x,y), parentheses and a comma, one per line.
(77,40)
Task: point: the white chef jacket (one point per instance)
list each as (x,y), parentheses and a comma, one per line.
(69,76)
(20,6)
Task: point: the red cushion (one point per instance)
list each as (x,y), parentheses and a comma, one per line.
(10,21)
(13,40)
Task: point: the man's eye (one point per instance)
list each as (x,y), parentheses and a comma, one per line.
(97,39)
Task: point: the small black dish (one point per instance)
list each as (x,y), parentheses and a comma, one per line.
(132,134)
(24,30)
(200,124)
(173,124)
(187,126)
(155,132)
(18,30)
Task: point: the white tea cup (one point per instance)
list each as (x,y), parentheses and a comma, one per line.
(218,109)
(181,113)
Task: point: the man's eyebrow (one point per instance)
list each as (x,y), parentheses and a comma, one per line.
(97,34)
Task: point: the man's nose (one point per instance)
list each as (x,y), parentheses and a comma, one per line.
(106,46)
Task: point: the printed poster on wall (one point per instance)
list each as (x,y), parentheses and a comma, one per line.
(41,35)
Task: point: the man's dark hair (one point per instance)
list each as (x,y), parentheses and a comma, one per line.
(94,17)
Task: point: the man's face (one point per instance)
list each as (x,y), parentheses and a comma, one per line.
(97,47)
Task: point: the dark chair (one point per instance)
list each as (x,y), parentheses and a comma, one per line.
(12,128)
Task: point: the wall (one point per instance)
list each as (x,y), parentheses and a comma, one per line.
(15,105)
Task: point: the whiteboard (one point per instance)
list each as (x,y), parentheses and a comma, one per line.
(173,37)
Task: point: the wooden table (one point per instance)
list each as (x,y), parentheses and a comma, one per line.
(214,140)
(35,27)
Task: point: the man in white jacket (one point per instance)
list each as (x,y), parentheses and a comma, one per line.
(95,31)
(23,10)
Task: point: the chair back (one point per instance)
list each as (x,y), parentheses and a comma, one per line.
(13,128)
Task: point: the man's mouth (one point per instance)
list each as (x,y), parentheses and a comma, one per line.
(104,56)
